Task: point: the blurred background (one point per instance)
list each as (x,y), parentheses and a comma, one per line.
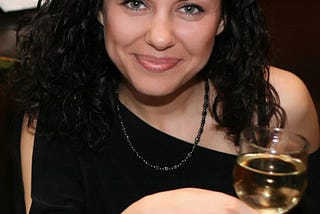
(294,28)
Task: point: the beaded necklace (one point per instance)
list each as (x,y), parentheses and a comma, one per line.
(189,154)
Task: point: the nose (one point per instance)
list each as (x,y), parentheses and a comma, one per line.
(160,34)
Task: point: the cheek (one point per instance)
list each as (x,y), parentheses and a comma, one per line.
(122,30)
(116,34)
(198,41)
(119,34)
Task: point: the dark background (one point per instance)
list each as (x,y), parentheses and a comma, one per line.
(295,32)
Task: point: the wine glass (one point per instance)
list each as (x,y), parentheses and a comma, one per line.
(270,172)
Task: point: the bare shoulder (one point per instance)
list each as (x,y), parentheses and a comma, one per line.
(293,93)
(283,80)
(298,104)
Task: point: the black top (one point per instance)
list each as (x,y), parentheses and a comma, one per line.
(65,181)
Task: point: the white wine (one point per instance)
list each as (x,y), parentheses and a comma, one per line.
(269,183)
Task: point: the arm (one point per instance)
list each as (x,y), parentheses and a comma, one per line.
(297,102)
(51,174)
(26,150)
(189,201)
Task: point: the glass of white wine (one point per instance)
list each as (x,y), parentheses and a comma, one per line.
(270,172)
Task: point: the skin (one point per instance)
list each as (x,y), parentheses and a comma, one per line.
(163,31)
(160,48)
(26,148)
(156,34)
(297,102)
(189,201)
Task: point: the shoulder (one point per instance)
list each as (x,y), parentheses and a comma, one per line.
(293,93)
(51,172)
(283,80)
(296,100)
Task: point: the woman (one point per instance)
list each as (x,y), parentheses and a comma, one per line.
(136,106)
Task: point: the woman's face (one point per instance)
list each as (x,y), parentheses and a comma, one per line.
(159,45)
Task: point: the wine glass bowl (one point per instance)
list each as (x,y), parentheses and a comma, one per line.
(270,171)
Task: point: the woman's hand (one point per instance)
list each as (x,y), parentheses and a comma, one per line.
(189,201)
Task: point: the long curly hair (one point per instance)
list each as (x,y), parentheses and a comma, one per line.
(66,71)
(239,68)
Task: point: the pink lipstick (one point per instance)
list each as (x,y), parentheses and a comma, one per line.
(156,64)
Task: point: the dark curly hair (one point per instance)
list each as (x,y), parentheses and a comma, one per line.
(65,68)
(239,68)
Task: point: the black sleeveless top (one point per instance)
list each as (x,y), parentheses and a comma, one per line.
(66,182)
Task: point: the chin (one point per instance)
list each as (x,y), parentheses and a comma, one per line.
(154,92)
(159,86)
(150,89)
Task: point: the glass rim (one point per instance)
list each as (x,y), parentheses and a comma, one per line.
(304,149)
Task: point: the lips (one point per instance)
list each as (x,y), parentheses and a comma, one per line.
(156,64)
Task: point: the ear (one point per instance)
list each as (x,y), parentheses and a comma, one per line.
(221,25)
(100,17)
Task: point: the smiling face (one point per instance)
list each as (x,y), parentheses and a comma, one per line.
(160,45)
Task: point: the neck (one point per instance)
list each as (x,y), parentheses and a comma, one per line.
(196,139)
(159,110)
